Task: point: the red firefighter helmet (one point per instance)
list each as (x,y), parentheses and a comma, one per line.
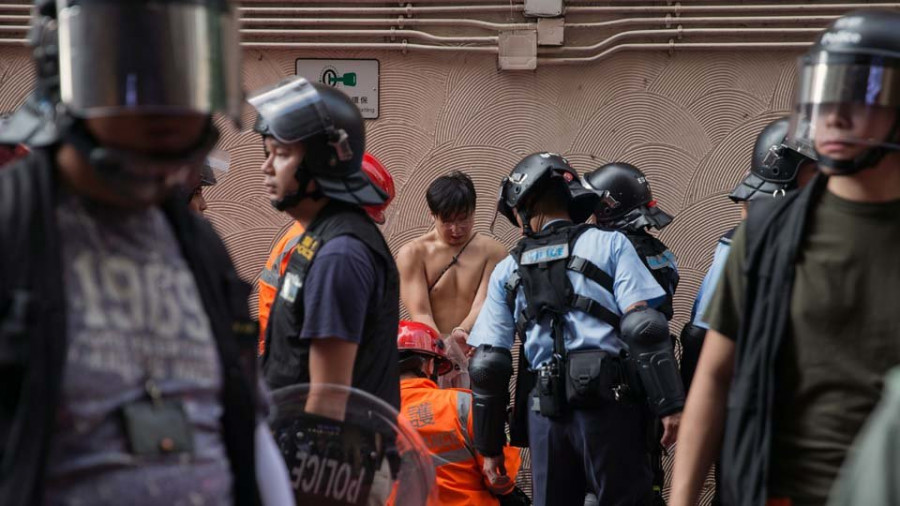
(9,154)
(381,178)
(414,338)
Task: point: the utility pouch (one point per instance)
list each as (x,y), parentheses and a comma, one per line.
(156,428)
(550,390)
(591,376)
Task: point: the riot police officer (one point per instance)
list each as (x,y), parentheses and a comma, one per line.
(627,205)
(128,365)
(803,324)
(578,296)
(778,166)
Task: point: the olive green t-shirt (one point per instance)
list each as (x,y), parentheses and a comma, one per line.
(843,337)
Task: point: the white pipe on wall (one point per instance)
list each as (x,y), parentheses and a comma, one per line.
(390,46)
(408,10)
(413,34)
(401,21)
(678,8)
(669,20)
(673,46)
(677,32)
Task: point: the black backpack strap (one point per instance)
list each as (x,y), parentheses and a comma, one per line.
(587,268)
(595,309)
(19,235)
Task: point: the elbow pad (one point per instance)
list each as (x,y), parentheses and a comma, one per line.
(646,332)
(490,370)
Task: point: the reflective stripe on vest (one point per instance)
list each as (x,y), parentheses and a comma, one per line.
(269,277)
(661,261)
(271,274)
(463,408)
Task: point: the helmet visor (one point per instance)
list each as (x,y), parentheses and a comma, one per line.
(215,167)
(292,110)
(844,100)
(169,57)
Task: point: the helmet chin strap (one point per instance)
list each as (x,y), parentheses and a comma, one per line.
(526,221)
(303,178)
(868,159)
(116,165)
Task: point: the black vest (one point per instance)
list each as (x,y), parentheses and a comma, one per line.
(286,359)
(33,330)
(542,260)
(661,262)
(775,229)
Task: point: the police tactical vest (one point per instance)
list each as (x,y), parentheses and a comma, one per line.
(286,358)
(661,262)
(542,261)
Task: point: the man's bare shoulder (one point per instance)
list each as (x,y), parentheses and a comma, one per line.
(492,247)
(413,251)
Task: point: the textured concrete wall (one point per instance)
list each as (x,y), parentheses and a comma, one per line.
(688,120)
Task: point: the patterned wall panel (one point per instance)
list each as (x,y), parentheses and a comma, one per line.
(688,119)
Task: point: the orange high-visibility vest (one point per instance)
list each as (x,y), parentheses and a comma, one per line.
(444,419)
(271,275)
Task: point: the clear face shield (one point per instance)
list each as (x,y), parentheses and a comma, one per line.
(215,167)
(845,105)
(293,111)
(169,57)
(140,67)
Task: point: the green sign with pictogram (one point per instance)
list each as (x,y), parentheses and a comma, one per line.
(359,79)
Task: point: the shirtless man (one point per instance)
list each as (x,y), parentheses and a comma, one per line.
(444,274)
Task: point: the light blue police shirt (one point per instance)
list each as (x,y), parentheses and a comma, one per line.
(610,251)
(710,281)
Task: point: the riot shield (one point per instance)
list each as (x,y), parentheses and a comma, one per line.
(354,452)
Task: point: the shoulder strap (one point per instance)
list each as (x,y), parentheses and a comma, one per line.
(453,262)
(595,309)
(19,235)
(592,272)
(584,266)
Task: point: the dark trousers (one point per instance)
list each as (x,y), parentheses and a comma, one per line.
(600,450)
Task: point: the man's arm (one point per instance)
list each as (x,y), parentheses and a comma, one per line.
(414,284)
(330,363)
(496,253)
(338,291)
(700,436)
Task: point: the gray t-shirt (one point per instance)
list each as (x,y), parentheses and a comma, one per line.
(133,313)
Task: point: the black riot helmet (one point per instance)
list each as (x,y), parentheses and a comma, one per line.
(135,67)
(775,165)
(625,199)
(850,76)
(531,176)
(333,132)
